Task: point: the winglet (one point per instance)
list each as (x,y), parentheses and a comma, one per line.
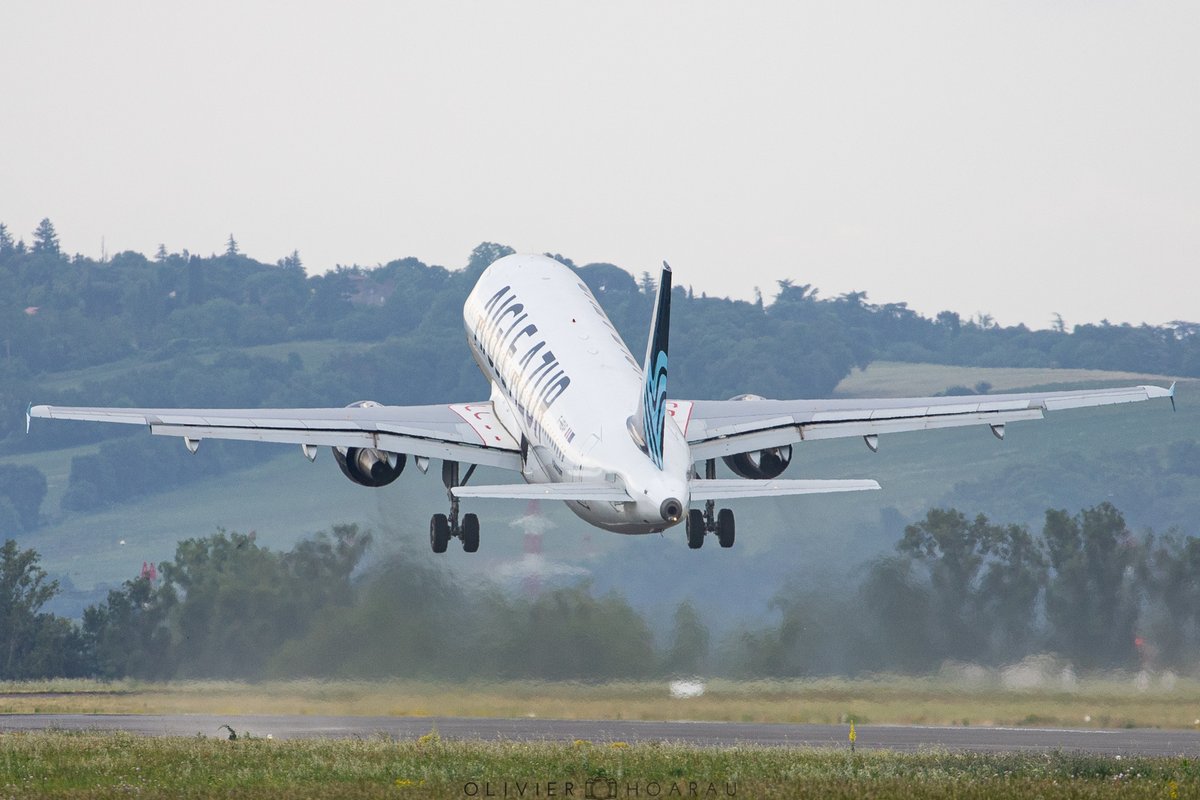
(28,416)
(1171,394)
(648,422)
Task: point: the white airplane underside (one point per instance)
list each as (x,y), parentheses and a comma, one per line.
(583,422)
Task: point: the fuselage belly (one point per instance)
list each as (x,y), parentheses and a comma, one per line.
(563,379)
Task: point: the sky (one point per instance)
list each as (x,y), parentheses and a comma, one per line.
(1019,159)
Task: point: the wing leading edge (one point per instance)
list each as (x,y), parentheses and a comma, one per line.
(725,427)
(466,432)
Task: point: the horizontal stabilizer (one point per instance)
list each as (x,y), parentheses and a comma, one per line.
(603,492)
(732,488)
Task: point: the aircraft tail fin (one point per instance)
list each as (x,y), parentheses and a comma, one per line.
(648,422)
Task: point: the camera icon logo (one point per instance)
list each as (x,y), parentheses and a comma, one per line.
(599,789)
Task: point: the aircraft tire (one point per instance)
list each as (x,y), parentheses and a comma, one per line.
(695,529)
(725,527)
(470,533)
(439,533)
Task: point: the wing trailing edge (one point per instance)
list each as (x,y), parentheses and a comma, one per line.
(731,489)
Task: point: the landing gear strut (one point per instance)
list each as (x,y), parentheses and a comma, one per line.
(444,527)
(710,520)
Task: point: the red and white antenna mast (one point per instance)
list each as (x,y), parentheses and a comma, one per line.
(534,525)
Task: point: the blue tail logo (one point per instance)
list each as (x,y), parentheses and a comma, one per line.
(652,409)
(654,405)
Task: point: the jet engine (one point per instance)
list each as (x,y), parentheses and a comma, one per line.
(367,466)
(759,465)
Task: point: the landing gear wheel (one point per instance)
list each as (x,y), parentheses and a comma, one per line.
(725,528)
(439,533)
(470,533)
(695,529)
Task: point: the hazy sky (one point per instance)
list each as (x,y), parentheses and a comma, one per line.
(1018,158)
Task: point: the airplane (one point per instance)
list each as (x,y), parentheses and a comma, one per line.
(581,421)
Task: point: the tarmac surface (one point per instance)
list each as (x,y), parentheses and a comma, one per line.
(1137,741)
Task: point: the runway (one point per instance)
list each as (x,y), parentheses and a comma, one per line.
(909,738)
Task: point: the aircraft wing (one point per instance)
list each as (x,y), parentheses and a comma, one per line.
(466,432)
(717,428)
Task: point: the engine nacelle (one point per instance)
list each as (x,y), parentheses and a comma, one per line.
(759,465)
(367,466)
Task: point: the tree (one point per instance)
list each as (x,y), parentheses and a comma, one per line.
(24,589)
(6,241)
(25,488)
(573,635)
(1009,591)
(953,550)
(1170,574)
(647,284)
(986,580)
(689,642)
(898,618)
(161,254)
(292,261)
(239,602)
(318,570)
(227,621)
(231,247)
(45,240)
(128,636)
(950,321)
(1091,601)
(790,293)
(483,256)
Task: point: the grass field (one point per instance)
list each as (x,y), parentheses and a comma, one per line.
(313,354)
(109,766)
(902,379)
(1091,703)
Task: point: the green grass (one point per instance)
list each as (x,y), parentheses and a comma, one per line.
(93,765)
(902,379)
(935,700)
(313,354)
(56,466)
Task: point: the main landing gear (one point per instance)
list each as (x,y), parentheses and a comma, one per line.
(710,520)
(443,527)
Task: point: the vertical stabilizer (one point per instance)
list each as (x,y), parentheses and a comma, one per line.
(648,422)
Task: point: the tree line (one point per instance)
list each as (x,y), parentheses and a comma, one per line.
(956,589)
(971,590)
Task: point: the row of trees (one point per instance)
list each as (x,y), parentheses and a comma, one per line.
(971,590)
(957,589)
(227,607)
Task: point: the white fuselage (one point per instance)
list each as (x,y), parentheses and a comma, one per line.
(564,383)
